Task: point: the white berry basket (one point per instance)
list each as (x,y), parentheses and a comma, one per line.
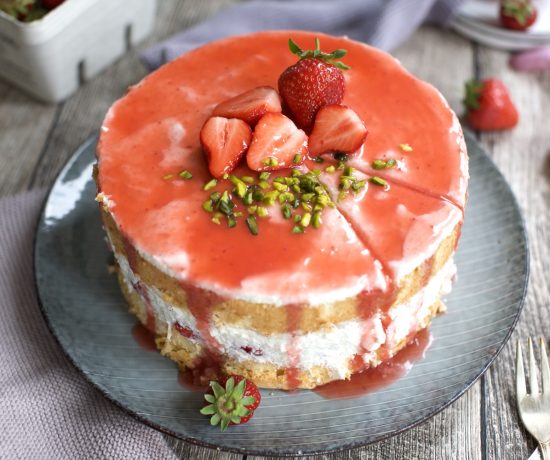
(49,58)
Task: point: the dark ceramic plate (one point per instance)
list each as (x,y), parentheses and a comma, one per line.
(87,314)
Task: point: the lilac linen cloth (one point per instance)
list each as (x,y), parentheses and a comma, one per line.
(381,23)
(47,410)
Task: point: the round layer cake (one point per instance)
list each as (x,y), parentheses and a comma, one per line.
(286,309)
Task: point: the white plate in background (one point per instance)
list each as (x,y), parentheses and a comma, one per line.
(478,20)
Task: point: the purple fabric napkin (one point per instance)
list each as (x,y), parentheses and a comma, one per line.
(47,410)
(381,23)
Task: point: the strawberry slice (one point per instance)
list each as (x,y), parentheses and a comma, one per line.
(251,105)
(276,143)
(337,128)
(224,141)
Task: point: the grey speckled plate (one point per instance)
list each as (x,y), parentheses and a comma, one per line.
(87,314)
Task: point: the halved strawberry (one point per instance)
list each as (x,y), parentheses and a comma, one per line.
(232,401)
(337,128)
(251,105)
(276,143)
(224,141)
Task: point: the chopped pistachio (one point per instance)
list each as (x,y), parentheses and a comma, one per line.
(247,179)
(262,212)
(225,176)
(215,196)
(286,196)
(296,188)
(297,218)
(216,220)
(358,185)
(297,159)
(297,229)
(405,147)
(280,187)
(316,172)
(240,189)
(252,225)
(270,161)
(341,165)
(168,176)
(308,196)
(287,211)
(391,163)
(238,214)
(270,197)
(225,207)
(345,184)
(225,196)
(210,184)
(295,173)
(330,169)
(264,175)
(323,200)
(296,203)
(240,186)
(185,175)
(341,196)
(316,221)
(252,209)
(306,219)
(207,206)
(231,221)
(378,181)
(248,198)
(257,195)
(348,171)
(379,164)
(264,185)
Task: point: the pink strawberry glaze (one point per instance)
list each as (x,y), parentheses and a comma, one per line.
(154,131)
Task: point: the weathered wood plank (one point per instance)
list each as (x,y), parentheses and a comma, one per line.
(523,156)
(187,451)
(24,127)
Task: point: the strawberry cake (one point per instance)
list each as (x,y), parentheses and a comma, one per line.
(285,215)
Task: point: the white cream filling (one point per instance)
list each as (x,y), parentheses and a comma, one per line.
(332,347)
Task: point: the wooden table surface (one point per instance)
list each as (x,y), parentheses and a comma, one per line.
(36,140)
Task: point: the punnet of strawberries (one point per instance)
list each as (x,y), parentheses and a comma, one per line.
(29,10)
(231,401)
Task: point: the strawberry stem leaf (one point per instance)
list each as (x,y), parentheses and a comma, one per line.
(473,90)
(227,405)
(329,58)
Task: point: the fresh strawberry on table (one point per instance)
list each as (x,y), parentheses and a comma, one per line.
(224,141)
(488,106)
(232,401)
(276,144)
(517,14)
(251,105)
(314,81)
(338,129)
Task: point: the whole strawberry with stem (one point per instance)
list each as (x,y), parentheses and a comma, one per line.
(489,106)
(232,401)
(517,14)
(314,81)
